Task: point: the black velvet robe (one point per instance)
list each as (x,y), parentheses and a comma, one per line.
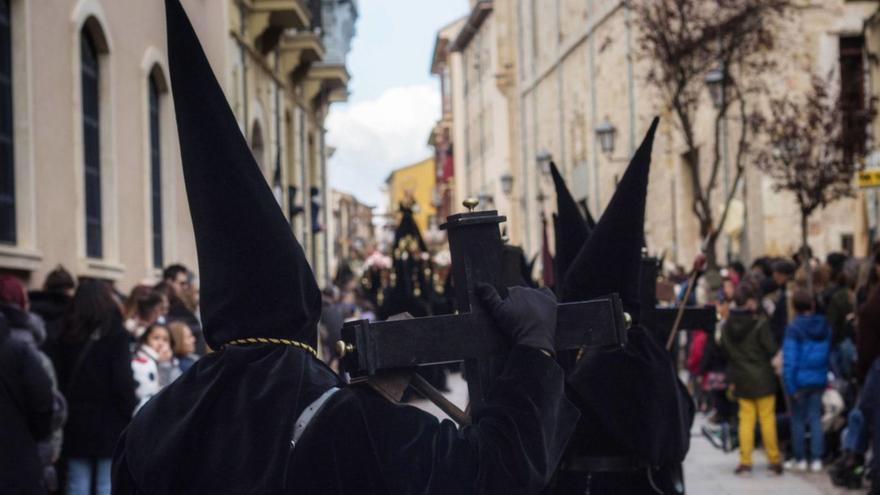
(227,428)
(633,406)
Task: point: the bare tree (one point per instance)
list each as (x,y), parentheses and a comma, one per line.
(686,40)
(815,144)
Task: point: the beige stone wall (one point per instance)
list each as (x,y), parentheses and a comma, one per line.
(576,65)
(48,133)
(48,137)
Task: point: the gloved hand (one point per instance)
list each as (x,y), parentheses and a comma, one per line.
(527,316)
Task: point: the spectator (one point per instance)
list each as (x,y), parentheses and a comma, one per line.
(93,362)
(29,329)
(154,365)
(26,407)
(143,308)
(805,356)
(748,343)
(177,282)
(837,302)
(868,323)
(184,345)
(51,302)
(783,271)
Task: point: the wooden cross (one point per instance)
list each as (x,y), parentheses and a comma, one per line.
(661,320)
(370,349)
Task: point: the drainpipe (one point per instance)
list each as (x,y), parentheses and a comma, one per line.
(631,91)
(278,158)
(242,31)
(524,201)
(594,114)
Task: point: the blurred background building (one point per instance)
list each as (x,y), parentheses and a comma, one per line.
(413,185)
(89,158)
(351,230)
(535,80)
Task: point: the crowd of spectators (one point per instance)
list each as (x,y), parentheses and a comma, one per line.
(794,357)
(77,360)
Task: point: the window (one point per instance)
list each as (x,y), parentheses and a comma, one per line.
(91,144)
(155,174)
(7,159)
(852,92)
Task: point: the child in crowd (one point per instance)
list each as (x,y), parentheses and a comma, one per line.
(805,355)
(748,343)
(154,364)
(184,344)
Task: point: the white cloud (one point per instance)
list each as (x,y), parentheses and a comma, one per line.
(373,137)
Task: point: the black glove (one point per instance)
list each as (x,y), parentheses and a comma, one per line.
(527,316)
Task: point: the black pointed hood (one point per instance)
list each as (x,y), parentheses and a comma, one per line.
(610,260)
(255,280)
(571,228)
(591,222)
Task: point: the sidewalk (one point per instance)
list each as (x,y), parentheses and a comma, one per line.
(708,471)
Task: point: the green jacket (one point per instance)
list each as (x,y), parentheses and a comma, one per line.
(748,343)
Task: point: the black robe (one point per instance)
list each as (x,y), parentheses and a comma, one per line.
(226,427)
(633,406)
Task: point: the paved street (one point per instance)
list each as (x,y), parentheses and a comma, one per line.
(708,470)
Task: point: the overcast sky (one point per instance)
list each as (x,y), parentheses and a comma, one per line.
(394,99)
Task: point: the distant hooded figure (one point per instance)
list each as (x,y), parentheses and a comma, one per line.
(406,294)
(262,414)
(571,228)
(636,414)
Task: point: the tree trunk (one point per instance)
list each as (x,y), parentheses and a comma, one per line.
(805,251)
(805,217)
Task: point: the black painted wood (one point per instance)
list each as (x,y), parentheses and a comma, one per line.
(475,246)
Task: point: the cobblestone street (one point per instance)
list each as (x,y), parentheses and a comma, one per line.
(708,471)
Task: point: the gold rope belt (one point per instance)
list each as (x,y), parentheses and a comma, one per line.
(266,340)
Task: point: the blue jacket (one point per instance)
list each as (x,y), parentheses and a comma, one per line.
(805,352)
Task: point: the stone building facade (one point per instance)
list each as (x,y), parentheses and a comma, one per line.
(561,69)
(91,174)
(351,229)
(443,62)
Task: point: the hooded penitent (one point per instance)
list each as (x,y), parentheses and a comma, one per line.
(409,285)
(610,260)
(515,269)
(243,240)
(572,230)
(632,404)
(256,286)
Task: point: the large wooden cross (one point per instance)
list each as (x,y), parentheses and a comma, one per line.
(661,320)
(370,349)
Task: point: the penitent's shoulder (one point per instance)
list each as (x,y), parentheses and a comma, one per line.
(365,444)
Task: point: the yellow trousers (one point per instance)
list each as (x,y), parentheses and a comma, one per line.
(765,409)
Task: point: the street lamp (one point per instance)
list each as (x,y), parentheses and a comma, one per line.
(507,184)
(544,158)
(605,132)
(715,81)
(486,199)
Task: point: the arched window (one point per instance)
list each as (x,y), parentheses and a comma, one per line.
(91,116)
(7,158)
(156,172)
